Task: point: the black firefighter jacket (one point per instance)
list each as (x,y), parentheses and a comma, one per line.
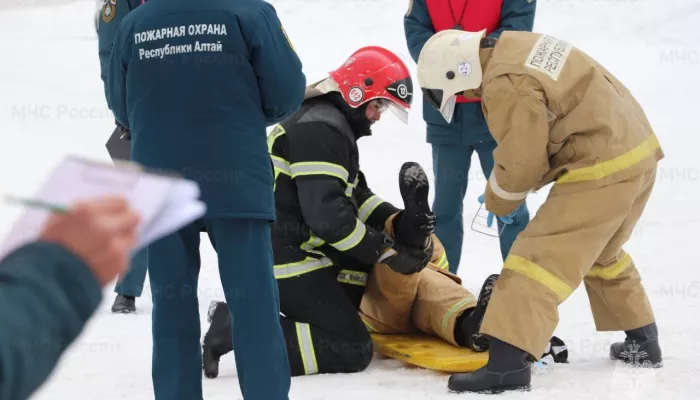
(322,201)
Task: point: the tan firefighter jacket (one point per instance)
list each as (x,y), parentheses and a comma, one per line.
(558,116)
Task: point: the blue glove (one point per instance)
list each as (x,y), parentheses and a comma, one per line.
(508,219)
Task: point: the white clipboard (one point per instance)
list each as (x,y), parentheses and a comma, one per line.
(165,203)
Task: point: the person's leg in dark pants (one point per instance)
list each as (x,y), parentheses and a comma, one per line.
(130,285)
(451,168)
(322,305)
(244,249)
(174,264)
(322,326)
(509,232)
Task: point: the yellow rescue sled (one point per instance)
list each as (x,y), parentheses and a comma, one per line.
(429,352)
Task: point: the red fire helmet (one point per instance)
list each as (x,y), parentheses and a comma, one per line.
(374,72)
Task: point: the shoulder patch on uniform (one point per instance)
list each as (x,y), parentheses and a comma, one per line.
(549,56)
(288,40)
(109,10)
(410,7)
(276,132)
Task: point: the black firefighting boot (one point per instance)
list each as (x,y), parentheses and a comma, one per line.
(640,348)
(508,369)
(414,225)
(124,304)
(218,340)
(468,324)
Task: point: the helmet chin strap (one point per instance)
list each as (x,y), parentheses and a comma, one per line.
(356,117)
(359,121)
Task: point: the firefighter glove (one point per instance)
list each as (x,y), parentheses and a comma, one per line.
(508,219)
(407,260)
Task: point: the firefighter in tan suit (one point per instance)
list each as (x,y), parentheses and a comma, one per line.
(558,117)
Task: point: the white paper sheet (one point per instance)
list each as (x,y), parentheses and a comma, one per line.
(165,203)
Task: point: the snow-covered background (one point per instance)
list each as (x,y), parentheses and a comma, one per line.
(52,103)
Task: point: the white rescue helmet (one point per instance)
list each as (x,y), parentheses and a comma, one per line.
(448,65)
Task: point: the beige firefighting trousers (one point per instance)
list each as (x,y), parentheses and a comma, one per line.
(429,301)
(574,237)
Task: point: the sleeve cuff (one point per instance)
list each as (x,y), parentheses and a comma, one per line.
(378,217)
(499,206)
(502,202)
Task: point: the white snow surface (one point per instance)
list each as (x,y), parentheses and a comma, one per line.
(52,103)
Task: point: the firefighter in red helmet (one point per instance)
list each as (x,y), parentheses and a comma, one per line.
(330,227)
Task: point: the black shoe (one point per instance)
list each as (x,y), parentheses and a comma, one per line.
(218,340)
(470,325)
(414,225)
(124,305)
(210,362)
(640,348)
(508,369)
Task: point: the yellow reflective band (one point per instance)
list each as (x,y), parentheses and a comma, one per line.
(612,271)
(442,262)
(455,309)
(319,168)
(369,326)
(349,190)
(276,132)
(351,186)
(353,239)
(311,244)
(539,275)
(358,278)
(306,348)
(368,207)
(617,164)
(301,267)
(281,165)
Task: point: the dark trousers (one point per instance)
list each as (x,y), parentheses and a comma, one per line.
(321,323)
(451,166)
(131,283)
(244,252)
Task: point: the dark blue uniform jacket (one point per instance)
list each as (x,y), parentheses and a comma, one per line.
(198,82)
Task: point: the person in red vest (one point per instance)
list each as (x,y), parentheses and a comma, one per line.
(454,143)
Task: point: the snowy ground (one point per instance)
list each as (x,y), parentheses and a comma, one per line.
(52,103)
